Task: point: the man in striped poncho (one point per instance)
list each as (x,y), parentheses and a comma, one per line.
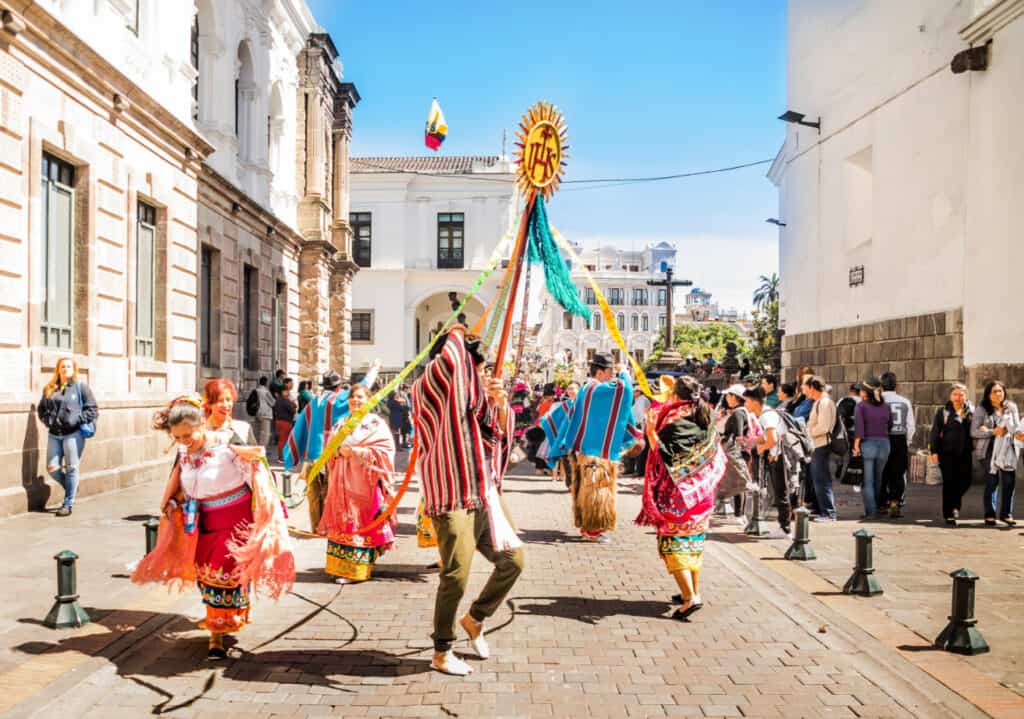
(594,435)
(464,432)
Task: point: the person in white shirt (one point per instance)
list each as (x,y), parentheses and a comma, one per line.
(769,450)
(901,434)
(819,426)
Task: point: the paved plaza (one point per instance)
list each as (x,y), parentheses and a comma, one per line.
(585,632)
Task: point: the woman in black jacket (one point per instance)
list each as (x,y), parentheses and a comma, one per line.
(66,405)
(951,448)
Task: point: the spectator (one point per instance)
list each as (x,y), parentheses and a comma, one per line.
(69,411)
(894,476)
(745,368)
(950,445)
(785,394)
(819,426)
(278,384)
(872,420)
(305,395)
(771,464)
(284,418)
(770,386)
(219,397)
(737,428)
(398,417)
(994,424)
(800,406)
(846,408)
(264,412)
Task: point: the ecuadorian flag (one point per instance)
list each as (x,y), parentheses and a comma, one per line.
(437,128)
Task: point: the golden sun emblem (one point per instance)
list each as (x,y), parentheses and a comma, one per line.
(541,150)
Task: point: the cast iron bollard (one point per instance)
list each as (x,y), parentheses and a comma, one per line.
(755,526)
(152,526)
(286,485)
(66,612)
(801,549)
(960,635)
(863,581)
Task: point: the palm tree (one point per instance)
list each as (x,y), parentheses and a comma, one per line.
(767,292)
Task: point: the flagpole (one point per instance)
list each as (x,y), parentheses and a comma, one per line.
(518,255)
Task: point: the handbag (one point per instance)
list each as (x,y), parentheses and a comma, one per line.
(86,429)
(854,473)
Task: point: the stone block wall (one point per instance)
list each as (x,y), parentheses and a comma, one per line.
(925,352)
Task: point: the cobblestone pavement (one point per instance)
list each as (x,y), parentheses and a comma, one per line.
(585,632)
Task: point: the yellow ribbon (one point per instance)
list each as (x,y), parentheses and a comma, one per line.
(606,312)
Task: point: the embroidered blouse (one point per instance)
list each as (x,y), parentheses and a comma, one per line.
(212,471)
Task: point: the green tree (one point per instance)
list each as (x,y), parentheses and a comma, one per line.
(699,339)
(767,292)
(764,337)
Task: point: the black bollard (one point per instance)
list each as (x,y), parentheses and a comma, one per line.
(152,526)
(960,636)
(801,549)
(863,581)
(756,525)
(66,612)
(286,485)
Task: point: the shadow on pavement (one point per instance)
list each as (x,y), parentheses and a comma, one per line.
(548,536)
(588,611)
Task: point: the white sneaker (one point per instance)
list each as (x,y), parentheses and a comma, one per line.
(479,644)
(448,663)
(603,539)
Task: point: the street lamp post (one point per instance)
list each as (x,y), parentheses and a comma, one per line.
(669,359)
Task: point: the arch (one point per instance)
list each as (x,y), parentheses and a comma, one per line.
(433,309)
(245,97)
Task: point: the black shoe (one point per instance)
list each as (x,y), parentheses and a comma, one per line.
(678,599)
(683,615)
(216,653)
(990,521)
(63,512)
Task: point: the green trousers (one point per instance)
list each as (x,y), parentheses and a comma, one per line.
(459,535)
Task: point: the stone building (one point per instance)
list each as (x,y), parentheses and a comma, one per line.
(902,211)
(640,310)
(424,228)
(172,194)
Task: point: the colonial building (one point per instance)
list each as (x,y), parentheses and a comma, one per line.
(172,189)
(424,228)
(901,247)
(640,310)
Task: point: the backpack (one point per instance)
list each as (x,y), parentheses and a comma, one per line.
(252,403)
(797,446)
(838,440)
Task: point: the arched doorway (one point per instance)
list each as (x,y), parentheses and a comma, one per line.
(432,311)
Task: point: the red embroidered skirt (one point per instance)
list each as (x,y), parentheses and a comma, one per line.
(227,603)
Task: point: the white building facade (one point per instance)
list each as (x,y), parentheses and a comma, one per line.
(640,310)
(423,230)
(901,247)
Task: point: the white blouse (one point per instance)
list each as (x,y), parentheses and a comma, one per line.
(212,471)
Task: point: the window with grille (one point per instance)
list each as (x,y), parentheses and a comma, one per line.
(450,240)
(362,326)
(616,296)
(620,320)
(661,322)
(662,297)
(250,316)
(597,321)
(589,296)
(645,323)
(634,322)
(361,223)
(206,269)
(640,296)
(280,328)
(145,281)
(58,203)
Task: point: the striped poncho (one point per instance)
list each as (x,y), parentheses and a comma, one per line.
(313,424)
(600,422)
(460,442)
(552,423)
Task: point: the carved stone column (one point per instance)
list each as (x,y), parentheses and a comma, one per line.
(341,316)
(315,280)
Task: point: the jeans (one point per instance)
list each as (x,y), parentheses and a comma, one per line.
(63,454)
(1008,479)
(894,476)
(875,453)
(822,480)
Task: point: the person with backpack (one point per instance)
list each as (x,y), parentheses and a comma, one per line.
(992,429)
(950,445)
(69,411)
(821,426)
(894,476)
(872,419)
(771,462)
(739,426)
(260,406)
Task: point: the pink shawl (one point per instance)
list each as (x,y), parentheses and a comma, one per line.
(353,480)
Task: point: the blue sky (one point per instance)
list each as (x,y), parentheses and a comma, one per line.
(647,88)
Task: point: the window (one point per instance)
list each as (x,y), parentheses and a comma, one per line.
(194,55)
(280,330)
(634,322)
(145,281)
(645,323)
(620,320)
(566,320)
(238,108)
(640,296)
(616,356)
(616,296)
(661,322)
(589,296)
(597,321)
(205,307)
(590,354)
(634,268)
(362,326)
(250,317)
(639,354)
(450,240)
(361,237)
(662,297)
(58,202)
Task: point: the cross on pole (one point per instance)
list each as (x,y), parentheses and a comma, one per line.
(669,284)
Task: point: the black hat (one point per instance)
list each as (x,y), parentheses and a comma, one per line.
(601,361)
(330,379)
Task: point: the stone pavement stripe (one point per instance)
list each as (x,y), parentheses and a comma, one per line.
(950,669)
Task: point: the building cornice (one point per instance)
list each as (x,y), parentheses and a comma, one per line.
(220,195)
(50,43)
(991,20)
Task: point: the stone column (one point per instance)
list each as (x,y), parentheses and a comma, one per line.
(315,274)
(314,145)
(341,234)
(341,316)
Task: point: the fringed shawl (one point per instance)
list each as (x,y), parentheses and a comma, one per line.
(354,479)
(262,549)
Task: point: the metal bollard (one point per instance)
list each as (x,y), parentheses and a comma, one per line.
(66,611)
(863,580)
(801,549)
(960,635)
(286,485)
(756,525)
(152,526)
